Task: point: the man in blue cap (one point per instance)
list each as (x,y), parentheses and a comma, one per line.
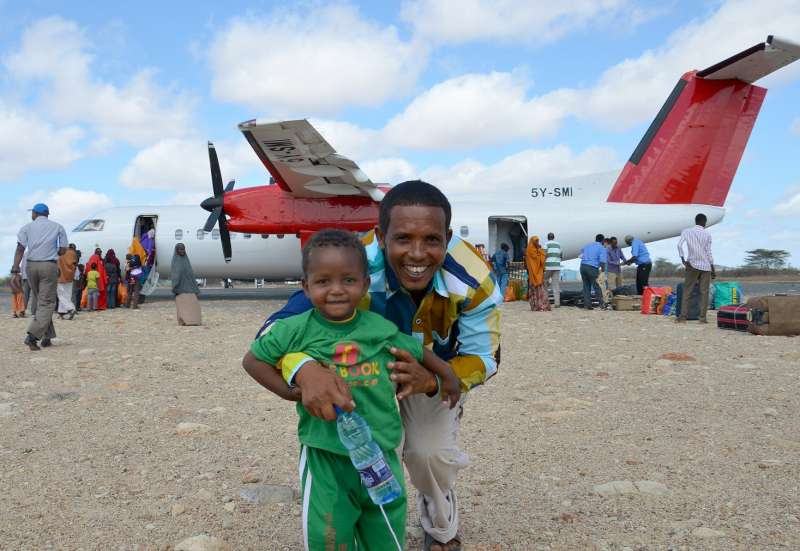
(45,241)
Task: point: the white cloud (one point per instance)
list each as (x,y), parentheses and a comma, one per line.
(790,204)
(29,143)
(457,21)
(476,109)
(68,205)
(390,170)
(183,166)
(55,53)
(632,91)
(481,109)
(314,62)
(795,128)
(471,179)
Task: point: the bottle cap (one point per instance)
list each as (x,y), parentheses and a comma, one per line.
(338,410)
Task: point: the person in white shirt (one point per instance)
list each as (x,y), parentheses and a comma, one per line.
(699,263)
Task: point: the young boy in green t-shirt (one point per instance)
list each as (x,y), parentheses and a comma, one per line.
(337,510)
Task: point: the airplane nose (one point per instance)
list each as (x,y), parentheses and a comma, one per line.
(211,203)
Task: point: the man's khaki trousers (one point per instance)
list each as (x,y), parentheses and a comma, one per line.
(433,459)
(43,279)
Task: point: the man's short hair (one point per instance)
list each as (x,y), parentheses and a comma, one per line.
(334,238)
(504,246)
(700,219)
(599,237)
(411,193)
(551,235)
(612,238)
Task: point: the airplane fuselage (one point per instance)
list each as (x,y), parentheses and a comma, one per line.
(575,210)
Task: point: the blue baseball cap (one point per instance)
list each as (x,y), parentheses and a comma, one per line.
(41,208)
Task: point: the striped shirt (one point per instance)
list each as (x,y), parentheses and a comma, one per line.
(594,254)
(553,259)
(458,317)
(698,244)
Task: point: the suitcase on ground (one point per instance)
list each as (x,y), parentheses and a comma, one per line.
(669,305)
(725,293)
(627,290)
(627,303)
(733,317)
(774,315)
(694,302)
(575,298)
(652,297)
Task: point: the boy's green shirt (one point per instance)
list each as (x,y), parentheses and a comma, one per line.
(358,351)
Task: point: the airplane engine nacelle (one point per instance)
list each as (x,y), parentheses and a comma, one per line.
(270,210)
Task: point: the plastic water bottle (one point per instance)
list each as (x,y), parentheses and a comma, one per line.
(367,457)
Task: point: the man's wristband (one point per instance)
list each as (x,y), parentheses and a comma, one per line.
(435,391)
(15,270)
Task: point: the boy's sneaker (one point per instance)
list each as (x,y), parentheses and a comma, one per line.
(46,342)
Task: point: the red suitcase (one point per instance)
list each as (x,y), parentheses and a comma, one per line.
(733,317)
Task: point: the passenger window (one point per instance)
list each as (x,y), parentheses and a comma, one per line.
(215,233)
(247,235)
(264,235)
(178,235)
(201,235)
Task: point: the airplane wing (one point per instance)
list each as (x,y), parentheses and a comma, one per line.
(303,163)
(755,62)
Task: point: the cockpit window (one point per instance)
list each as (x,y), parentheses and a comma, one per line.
(90,225)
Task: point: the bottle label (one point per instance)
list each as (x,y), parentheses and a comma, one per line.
(376,473)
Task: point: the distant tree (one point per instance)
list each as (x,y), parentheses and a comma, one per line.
(766,259)
(664,268)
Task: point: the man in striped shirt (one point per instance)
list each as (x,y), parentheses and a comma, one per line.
(552,267)
(699,264)
(436,288)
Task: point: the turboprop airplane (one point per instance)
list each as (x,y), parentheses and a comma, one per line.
(684,164)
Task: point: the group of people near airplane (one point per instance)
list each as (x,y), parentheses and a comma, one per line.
(601,267)
(48,278)
(399,326)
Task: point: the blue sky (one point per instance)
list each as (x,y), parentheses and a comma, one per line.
(111,105)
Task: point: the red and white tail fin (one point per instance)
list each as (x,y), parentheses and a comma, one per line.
(692,149)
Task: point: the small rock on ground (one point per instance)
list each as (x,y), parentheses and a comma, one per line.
(187,429)
(615,488)
(202,542)
(267,493)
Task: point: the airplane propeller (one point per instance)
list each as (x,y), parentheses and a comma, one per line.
(215,204)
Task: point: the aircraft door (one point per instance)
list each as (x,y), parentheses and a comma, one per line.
(512,230)
(144,230)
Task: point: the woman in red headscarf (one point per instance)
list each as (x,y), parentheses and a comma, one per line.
(102,281)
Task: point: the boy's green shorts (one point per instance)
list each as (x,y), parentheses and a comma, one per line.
(338,514)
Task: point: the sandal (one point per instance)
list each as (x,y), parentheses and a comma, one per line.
(428,541)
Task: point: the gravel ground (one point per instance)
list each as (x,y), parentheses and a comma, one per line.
(133,433)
